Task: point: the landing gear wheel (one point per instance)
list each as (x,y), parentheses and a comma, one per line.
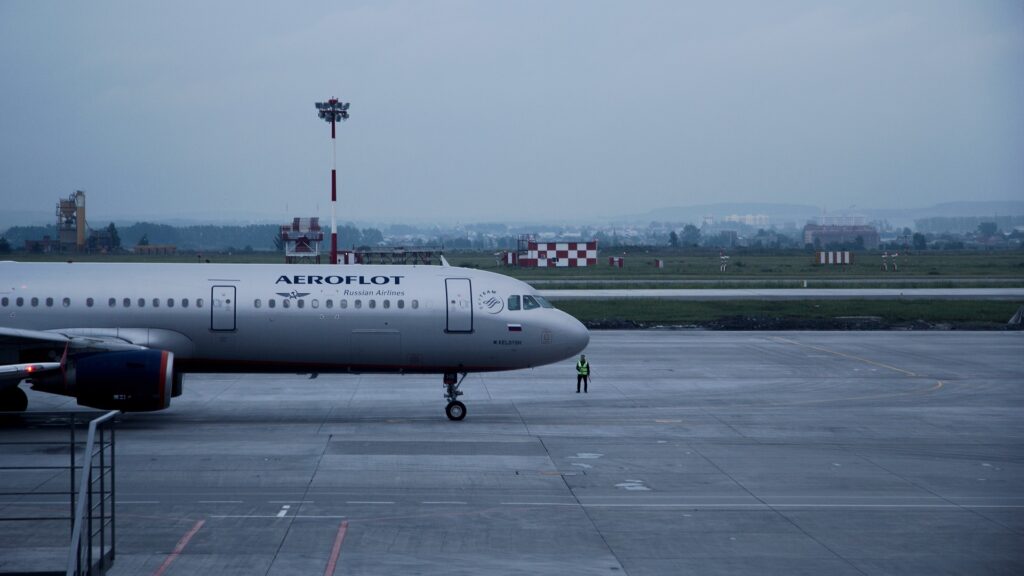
(15,400)
(455,410)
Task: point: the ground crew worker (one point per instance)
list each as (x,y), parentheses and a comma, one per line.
(582,373)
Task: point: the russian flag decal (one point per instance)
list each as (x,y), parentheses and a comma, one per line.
(515,327)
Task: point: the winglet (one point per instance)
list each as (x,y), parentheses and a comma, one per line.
(444,261)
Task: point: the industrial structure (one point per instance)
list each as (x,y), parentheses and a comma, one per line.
(72,228)
(533,254)
(302,240)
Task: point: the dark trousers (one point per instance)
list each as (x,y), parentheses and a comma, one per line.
(581,378)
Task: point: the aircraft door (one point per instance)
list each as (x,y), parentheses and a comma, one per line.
(222,308)
(460,305)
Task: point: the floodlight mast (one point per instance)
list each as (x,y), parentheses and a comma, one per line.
(332,111)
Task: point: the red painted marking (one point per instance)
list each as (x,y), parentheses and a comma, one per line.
(163,378)
(336,551)
(179,548)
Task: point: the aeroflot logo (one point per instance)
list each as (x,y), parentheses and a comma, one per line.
(347,280)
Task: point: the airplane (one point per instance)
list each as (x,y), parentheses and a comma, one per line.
(121,335)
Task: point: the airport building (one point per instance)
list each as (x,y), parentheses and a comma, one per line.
(534,254)
(847,235)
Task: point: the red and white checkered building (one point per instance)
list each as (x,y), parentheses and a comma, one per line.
(559,254)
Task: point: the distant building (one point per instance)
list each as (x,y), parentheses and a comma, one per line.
(154,249)
(302,240)
(841,235)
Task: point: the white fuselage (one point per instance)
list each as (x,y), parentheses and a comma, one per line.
(286,318)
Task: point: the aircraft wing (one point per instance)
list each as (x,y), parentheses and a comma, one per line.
(47,346)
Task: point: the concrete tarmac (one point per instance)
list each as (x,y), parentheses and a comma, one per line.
(693,453)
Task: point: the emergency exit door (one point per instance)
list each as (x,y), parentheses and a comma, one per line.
(222,308)
(460,305)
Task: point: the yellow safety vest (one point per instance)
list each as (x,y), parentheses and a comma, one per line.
(583,368)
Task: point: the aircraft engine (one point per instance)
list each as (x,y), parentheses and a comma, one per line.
(132,381)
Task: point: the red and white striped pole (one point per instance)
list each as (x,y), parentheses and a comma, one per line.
(334,193)
(332,111)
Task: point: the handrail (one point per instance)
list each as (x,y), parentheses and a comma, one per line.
(75,552)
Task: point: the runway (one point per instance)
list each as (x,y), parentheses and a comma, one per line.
(788,294)
(693,452)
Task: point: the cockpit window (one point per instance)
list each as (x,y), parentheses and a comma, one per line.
(513,302)
(529,303)
(543,302)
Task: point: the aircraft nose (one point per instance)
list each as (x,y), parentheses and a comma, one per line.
(577,335)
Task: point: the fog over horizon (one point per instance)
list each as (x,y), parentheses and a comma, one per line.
(508,112)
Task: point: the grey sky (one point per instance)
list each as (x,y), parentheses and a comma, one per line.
(465,111)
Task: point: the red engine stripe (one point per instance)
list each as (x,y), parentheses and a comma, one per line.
(163,378)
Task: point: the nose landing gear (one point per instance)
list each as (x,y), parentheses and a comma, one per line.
(455,410)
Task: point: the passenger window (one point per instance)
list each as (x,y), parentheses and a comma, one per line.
(112,302)
(89,302)
(286,303)
(329,303)
(513,302)
(529,303)
(373,303)
(415,304)
(271,303)
(184,302)
(127,302)
(199,302)
(66,302)
(343,303)
(20,301)
(35,302)
(49,302)
(300,303)
(170,302)
(4,301)
(257,303)
(401,304)
(543,302)
(315,303)
(387,304)
(142,302)
(358,304)
(156,302)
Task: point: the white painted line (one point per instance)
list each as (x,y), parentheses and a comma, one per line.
(776,506)
(539,504)
(368,502)
(274,517)
(284,510)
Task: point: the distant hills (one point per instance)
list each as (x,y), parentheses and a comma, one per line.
(799,214)
(778,214)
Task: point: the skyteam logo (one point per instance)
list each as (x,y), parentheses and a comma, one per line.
(489,302)
(293,295)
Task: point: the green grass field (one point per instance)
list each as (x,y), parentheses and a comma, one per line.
(681,312)
(680,266)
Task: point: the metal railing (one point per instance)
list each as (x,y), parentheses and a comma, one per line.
(33,471)
(95,508)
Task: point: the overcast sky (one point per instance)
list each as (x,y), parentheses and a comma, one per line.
(469,111)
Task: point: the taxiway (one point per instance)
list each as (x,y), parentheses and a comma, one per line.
(693,452)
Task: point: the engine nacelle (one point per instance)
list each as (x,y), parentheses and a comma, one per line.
(131,381)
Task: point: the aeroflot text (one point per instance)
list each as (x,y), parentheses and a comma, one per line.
(363,280)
